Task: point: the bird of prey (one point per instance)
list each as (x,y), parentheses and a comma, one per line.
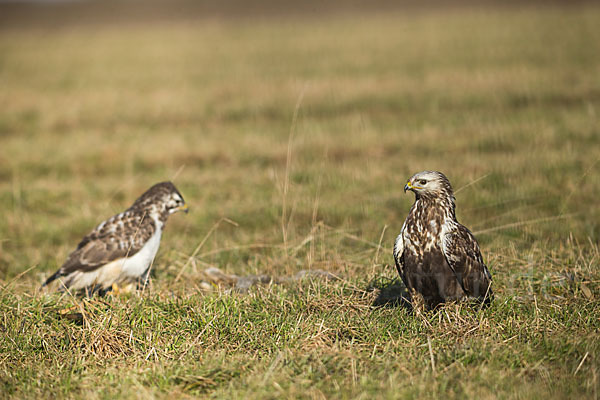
(437,257)
(119,251)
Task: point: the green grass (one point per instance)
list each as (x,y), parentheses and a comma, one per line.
(505,102)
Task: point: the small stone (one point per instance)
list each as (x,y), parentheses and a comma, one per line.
(586,291)
(217,276)
(205,286)
(244,284)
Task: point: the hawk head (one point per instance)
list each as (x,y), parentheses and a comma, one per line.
(163,197)
(430,184)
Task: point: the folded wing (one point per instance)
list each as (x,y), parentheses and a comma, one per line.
(464,257)
(121,236)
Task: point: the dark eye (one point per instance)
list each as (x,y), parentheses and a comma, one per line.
(422,182)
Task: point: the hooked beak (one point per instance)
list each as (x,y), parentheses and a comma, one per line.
(408,186)
(183,208)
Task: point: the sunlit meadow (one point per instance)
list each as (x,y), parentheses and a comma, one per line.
(291,139)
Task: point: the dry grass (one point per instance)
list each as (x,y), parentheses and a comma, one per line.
(291,141)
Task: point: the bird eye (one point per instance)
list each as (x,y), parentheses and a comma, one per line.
(422,182)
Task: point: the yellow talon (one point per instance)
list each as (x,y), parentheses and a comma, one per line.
(115,289)
(121,290)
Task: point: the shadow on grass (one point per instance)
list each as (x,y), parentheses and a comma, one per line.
(390,293)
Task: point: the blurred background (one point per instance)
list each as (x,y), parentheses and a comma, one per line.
(300,122)
(59,12)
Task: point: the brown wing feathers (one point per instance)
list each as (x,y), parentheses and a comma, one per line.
(464,257)
(121,236)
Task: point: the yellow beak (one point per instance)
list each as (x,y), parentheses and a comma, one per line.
(183,208)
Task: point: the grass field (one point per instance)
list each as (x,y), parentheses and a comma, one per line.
(291,139)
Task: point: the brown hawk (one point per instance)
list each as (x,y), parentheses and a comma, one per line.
(119,251)
(436,256)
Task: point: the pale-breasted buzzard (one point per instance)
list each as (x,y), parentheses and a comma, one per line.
(435,255)
(120,250)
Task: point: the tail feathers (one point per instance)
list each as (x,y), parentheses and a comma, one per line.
(55,276)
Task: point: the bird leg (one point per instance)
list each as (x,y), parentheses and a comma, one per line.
(417,301)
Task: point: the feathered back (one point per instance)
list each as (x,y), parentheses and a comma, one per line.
(122,237)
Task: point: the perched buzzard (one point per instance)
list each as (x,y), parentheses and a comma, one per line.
(435,255)
(120,250)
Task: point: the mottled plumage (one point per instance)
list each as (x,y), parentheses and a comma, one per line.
(120,250)
(435,255)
